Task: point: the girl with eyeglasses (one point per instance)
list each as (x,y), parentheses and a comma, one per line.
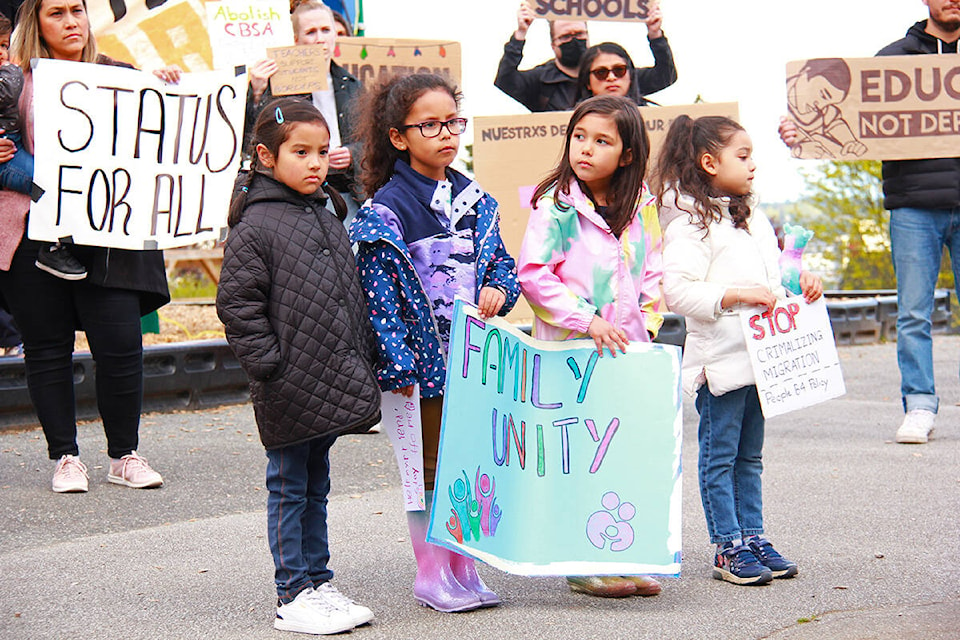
(428,235)
(607,69)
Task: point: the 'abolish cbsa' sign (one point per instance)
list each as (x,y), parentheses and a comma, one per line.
(127,161)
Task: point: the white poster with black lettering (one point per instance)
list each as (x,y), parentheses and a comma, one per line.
(794,356)
(124,160)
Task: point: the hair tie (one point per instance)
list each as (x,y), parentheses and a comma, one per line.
(279,116)
(244,189)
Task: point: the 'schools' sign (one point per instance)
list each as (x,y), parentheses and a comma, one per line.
(554,461)
(124,160)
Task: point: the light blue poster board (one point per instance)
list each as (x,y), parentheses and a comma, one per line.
(554,461)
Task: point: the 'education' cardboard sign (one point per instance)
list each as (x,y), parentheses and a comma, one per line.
(882,108)
(370,59)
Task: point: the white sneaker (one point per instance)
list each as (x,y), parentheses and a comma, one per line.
(308,613)
(70,476)
(133,471)
(917,427)
(358,613)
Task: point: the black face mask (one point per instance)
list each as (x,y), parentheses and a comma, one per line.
(571,52)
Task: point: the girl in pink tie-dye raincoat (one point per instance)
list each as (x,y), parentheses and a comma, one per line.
(590,264)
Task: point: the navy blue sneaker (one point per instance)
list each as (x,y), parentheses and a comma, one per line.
(738,565)
(768,556)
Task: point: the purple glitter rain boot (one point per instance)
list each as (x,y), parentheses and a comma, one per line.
(465,571)
(435,586)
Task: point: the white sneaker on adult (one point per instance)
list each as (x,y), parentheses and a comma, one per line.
(133,471)
(309,613)
(359,614)
(70,476)
(917,427)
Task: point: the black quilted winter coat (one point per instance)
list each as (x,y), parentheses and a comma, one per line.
(295,317)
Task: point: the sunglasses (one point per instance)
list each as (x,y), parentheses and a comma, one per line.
(602,73)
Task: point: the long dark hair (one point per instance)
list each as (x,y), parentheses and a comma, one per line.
(627,181)
(679,167)
(271,130)
(383,108)
(583,76)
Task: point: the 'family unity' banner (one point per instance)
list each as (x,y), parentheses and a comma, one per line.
(127,161)
(554,461)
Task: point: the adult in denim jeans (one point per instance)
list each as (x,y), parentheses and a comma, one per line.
(923,197)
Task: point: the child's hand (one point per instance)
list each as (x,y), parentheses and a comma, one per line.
(604,333)
(750,296)
(490,302)
(811,285)
(404,391)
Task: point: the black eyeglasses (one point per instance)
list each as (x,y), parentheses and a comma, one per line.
(602,73)
(567,37)
(431,128)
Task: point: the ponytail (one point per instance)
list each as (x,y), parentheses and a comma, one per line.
(239,200)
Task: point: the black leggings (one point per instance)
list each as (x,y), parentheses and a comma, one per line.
(48,311)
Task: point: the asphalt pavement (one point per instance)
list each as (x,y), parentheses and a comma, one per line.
(873,526)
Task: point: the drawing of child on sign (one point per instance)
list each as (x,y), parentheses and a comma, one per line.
(813,98)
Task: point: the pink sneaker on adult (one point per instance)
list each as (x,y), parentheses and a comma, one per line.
(133,471)
(70,476)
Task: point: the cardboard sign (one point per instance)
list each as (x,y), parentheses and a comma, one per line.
(512,154)
(127,161)
(554,461)
(794,356)
(152,34)
(241,31)
(369,59)
(600,10)
(300,69)
(883,108)
(401,421)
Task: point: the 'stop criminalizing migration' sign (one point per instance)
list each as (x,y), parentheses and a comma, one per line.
(124,160)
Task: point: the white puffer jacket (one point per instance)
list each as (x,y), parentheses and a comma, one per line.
(698,268)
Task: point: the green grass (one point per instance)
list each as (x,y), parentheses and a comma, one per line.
(190,284)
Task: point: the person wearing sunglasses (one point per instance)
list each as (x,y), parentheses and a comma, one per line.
(553,85)
(607,69)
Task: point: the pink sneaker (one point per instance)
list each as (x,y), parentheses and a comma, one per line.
(70,476)
(133,471)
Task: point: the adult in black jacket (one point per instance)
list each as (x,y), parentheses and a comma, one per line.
(552,86)
(314,24)
(923,196)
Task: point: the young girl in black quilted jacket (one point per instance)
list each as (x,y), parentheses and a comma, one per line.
(294,314)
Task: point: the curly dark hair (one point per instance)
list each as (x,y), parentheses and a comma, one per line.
(384,107)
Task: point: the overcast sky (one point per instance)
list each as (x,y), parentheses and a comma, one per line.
(733,51)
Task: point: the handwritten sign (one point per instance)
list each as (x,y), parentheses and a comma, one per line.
(883,108)
(370,59)
(126,161)
(794,357)
(554,461)
(601,10)
(512,154)
(299,70)
(241,31)
(401,420)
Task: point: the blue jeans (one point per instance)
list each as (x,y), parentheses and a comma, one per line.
(730,464)
(917,239)
(17,173)
(298,478)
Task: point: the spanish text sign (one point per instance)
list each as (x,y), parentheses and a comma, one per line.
(127,161)
(794,356)
(883,108)
(609,10)
(554,461)
(401,420)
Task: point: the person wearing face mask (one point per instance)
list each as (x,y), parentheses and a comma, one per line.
(552,86)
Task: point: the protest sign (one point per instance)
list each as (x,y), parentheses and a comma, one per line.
(554,461)
(127,161)
(241,31)
(370,59)
(299,70)
(794,356)
(608,10)
(512,154)
(153,33)
(883,108)
(401,421)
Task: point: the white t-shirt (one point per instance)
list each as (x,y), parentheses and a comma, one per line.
(327,104)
